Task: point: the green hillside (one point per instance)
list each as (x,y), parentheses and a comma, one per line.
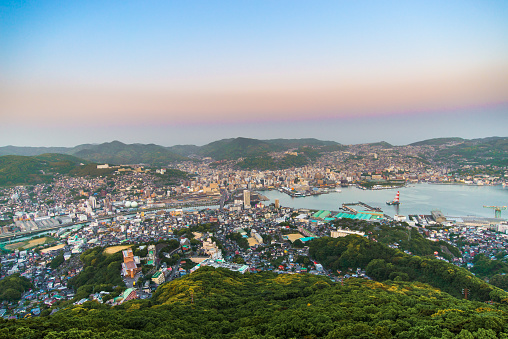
(184,150)
(448,151)
(32,151)
(284,144)
(266,162)
(382,144)
(119,153)
(235,148)
(406,238)
(384,263)
(486,151)
(436,141)
(232,149)
(91,170)
(216,303)
(16,169)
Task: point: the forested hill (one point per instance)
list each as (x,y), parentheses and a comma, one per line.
(384,263)
(216,303)
(16,169)
(483,151)
(231,149)
(119,153)
(114,152)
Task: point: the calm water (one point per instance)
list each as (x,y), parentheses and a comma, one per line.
(452,200)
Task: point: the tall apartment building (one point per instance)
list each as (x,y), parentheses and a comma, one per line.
(246,199)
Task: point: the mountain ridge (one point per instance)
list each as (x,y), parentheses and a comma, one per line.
(256,151)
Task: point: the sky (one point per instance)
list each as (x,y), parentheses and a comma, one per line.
(191,72)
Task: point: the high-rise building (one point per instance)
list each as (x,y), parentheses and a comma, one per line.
(246,199)
(277,205)
(92,202)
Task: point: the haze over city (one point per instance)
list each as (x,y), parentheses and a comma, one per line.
(190,73)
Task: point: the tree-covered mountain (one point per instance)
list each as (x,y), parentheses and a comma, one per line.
(436,141)
(384,263)
(255,152)
(119,153)
(216,303)
(185,150)
(221,149)
(382,144)
(490,151)
(32,151)
(235,148)
(115,152)
(485,151)
(17,169)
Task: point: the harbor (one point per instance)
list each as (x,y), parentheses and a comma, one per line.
(418,199)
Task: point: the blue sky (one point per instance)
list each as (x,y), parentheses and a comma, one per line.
(148,71)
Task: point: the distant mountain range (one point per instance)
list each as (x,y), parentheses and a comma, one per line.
(119,153)
(35,164)
(32,165)
(114,152)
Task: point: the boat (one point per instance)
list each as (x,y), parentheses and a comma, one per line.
(338,190)
(395,201)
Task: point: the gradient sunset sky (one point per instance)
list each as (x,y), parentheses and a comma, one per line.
(191,72)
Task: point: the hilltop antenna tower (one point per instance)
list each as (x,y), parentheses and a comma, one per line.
(497,210)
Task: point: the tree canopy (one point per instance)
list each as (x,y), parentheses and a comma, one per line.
(216,303)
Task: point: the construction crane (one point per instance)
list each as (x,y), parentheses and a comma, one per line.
(497,210)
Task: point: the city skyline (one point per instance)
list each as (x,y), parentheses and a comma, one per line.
(174,73)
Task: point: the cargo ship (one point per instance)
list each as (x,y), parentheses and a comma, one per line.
(395,201)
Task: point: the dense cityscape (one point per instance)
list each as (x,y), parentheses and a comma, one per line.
(253,169)
(166,222)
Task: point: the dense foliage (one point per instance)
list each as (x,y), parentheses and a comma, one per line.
(240,240)
(119,153)
(266,162)
(486,267)
(28,170)
(200,228)
(101,272)
(500,281)
(486,151)
(12,286)
(222,304)
(404,237)
(436,141)
(57,261)
(256,151)
(384,263)
(91,170)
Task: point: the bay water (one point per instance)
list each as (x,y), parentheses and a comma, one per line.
(453,200)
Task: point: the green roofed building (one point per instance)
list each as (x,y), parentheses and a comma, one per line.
(321,214)
(128,294)
(360,215)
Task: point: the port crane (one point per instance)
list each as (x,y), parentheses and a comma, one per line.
(497,210)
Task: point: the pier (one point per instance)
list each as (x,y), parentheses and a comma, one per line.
(368,207)
(350,209)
